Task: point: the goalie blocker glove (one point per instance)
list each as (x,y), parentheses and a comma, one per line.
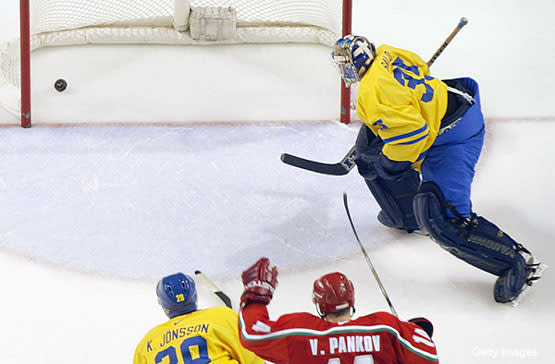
(259,281)
(425,324)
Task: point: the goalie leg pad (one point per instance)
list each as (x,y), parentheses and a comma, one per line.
(513,284)
(509,285)
(393,197)
(395,200)
(368,148)
(474,240)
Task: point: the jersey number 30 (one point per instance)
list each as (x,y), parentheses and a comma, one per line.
(195,343)
(405,79)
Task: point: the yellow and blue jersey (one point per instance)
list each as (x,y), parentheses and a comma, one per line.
(203,336)
(401,103)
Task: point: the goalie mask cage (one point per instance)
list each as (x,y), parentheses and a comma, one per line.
(45,23)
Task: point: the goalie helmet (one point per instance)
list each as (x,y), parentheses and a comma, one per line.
(177,294)
(353,55)
(332,293)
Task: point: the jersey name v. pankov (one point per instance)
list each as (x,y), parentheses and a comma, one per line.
(298,338)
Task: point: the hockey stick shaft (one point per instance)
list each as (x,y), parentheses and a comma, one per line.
(459,26)
(368,261)
(218,292)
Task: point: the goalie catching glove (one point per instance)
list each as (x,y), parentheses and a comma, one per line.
(259,281)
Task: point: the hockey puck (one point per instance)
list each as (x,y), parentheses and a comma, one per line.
(60,85)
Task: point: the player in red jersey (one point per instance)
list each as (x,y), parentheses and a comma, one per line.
(333,338)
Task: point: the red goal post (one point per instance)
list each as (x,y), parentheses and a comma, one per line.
(70,22)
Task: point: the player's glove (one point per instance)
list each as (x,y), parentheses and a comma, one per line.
(425,324)
(259,281)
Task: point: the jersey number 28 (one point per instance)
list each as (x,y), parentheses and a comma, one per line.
(197,343)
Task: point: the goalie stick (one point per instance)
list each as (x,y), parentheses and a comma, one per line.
(225,298)
(345,165)
(340,168)
(459,26)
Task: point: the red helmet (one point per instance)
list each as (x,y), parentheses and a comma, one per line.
(333,292)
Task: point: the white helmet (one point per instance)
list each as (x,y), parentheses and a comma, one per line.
(353,55)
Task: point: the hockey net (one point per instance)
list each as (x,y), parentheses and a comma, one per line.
(175,22)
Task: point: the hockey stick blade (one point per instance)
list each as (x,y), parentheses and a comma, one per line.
(340,168)
(222,296)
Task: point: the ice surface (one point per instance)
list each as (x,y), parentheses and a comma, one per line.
(93,216)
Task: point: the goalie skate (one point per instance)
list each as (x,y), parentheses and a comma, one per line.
(535,271)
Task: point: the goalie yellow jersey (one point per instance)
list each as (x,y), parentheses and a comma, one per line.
(199,337)
(401,103)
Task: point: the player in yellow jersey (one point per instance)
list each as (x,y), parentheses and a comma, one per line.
(191,336)
(416,150)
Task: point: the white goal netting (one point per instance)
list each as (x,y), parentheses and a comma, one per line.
(74,22)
